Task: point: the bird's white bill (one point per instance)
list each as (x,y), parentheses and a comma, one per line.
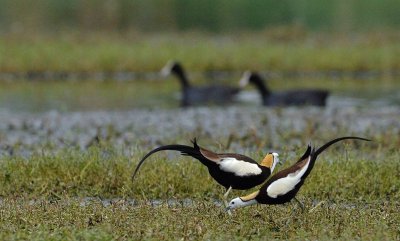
(166,70)
(245,79)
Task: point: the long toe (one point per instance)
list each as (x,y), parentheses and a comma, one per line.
(300,204)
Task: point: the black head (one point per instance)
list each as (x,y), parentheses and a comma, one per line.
(172,67)
(255,79)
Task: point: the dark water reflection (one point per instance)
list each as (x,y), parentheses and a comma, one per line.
(83,95)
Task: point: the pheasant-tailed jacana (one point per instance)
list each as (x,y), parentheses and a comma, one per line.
(284,185)
(217,94)
(297,97)
(233,171)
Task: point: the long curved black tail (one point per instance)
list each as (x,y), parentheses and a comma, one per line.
(185,150)
(314,153)
(323,148)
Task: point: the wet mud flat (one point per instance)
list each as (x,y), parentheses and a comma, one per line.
(235,128)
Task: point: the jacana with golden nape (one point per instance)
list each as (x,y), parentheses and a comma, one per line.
(231,170)
(284,185)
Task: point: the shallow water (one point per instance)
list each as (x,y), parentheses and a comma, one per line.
(48,116)
(92,95)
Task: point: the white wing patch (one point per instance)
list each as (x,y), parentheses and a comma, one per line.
(238,167)
(286,184)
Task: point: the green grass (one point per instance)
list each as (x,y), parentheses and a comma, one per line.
(107,173)
(280,51)
(67,220)
(358,191)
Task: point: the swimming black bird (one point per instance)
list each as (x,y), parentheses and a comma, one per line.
(233,171)
(284,98)
(217,94)
(284,185)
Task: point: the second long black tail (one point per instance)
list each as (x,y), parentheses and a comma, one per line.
(314,153)
(185,150)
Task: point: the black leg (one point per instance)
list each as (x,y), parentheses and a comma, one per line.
(300,204)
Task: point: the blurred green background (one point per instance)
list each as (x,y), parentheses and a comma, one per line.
(208,15)
(341,45)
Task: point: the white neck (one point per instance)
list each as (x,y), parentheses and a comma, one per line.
(250,202)
(276,160)
(238,203)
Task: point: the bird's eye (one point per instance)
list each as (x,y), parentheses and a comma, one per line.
(233,202)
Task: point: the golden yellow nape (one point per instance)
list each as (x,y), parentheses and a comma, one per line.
(250,196)
(268,160)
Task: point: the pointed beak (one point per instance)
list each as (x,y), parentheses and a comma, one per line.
(165,71)
(243,82)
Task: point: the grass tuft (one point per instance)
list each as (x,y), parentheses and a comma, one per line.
(89,195)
